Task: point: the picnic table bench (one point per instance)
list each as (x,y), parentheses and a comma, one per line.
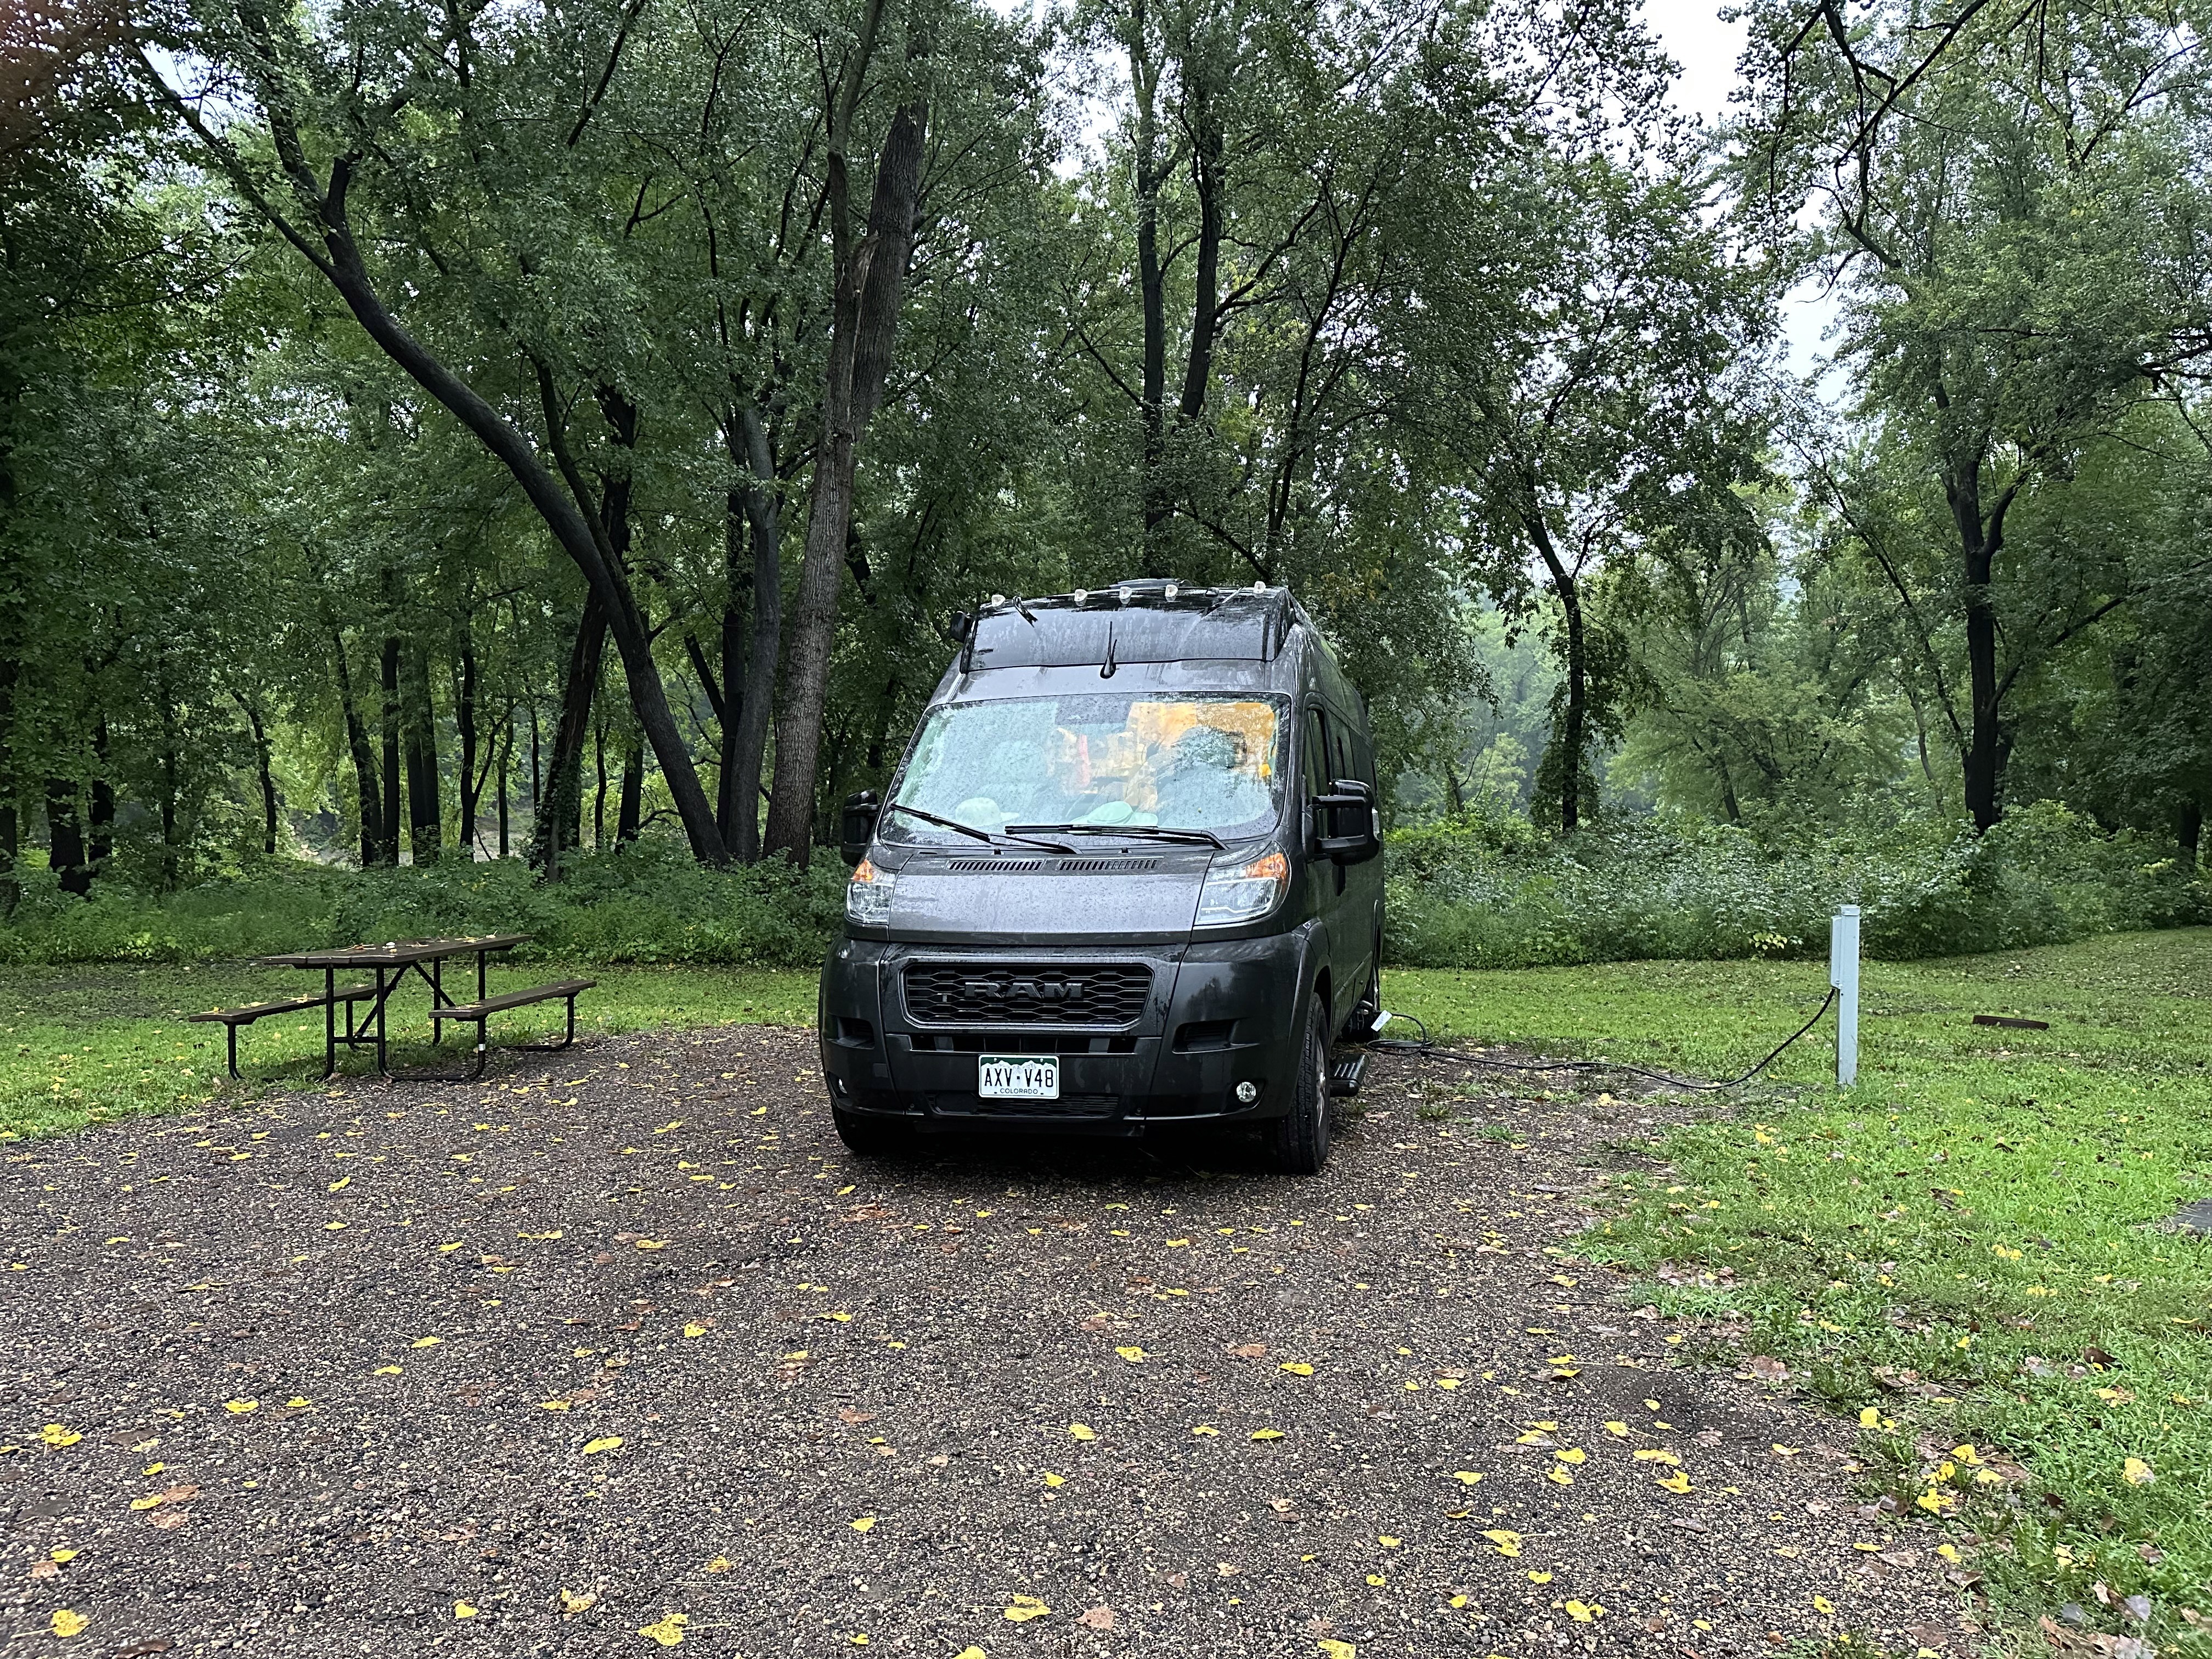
(390,964)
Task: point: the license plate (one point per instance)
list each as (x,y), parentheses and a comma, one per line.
(1017,1077)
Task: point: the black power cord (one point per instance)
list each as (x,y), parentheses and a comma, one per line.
(1426,1049)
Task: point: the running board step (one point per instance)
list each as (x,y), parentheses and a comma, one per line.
(1345,1076)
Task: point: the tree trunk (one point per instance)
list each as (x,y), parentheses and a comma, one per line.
(464,726)
(261,765)
(170,856)
(99,821)
(388,831)
(871,279)
(599,798)
(65,837)
(372,845)
(11,828)
(1567,739)
(506,766)
(426,817)
(2191,830)
(1981,536)
(632,807)
(1151,287)
(743,762)
(559,806)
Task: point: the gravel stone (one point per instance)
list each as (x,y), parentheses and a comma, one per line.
(623,1349)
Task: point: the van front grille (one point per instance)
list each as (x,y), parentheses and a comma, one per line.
(1008,993)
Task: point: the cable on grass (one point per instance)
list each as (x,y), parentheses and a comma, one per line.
(1425,1049)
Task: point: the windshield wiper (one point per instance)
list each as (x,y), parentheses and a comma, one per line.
(1157,832)
(983,835)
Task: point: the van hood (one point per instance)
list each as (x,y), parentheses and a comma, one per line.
(1143,894)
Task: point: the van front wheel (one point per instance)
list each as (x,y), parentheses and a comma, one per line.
(1301,1137)
(869,1137)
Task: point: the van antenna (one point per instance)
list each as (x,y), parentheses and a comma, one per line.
(1106,669)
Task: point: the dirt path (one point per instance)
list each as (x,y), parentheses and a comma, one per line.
(628,1350)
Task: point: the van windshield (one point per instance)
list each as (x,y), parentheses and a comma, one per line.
(1212,763)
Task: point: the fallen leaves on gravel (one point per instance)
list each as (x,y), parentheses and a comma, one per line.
(606,1443)
(1023,1609)
(1267,1434)
(573,1601)
(55,1434)
(667,1630)
(1097,1618)
(864,1523)
(463,1610)
(1507,1540)
(1336,1649)
(1082,1431)
(66,1623)
(1133,1355)
(239,1407)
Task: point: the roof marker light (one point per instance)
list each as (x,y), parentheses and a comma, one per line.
(998,598)
(1173,590)
(1081,594)
(1259,588)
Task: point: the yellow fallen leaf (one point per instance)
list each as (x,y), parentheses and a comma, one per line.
(1617,1430)
(1387,1541)
(1297,1368)
(864,1523)
(1205,1428)
(2136,1473)
(147,1501)
(1535,1577)
(1377,1580)
(1466,1477)
(719,1564)
(553,1405)
(426,1341)
(1336,1649)
(604,1443)
(1023,1609)
(1558,1477)
(334,1226)
(1781,1451)
(1133,1355)
(1676,1482)
(971,1653)
(1584,1614)
(63,1556)
(239,1407)
(55,1435)
(1052,1480)
(1570,1454)
(695,1330)
(449,1248)
(1949,1553)
(668,1630)
(575,1601)
(1267,1434)
(657,1244)
(463,1610)
(1448,1382)
(1655,1455)
(1508,1540)
(1082,1431)
(340,1184)
(1870,1417)
(298,1402)
(1822,1604)
(65,1623)
(385,1370)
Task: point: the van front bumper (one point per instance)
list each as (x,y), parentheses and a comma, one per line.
(1215,1015)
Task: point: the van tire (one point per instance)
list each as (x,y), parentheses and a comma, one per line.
(1300,1142)
(870,1139)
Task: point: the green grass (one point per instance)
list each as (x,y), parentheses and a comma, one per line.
(83,1044)
(1963,1242)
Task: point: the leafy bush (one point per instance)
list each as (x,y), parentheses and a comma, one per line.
(643,905)
(1479,893)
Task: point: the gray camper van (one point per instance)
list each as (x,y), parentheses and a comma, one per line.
(1126,877)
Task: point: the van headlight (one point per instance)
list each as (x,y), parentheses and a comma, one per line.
(868,896)
(1242,892)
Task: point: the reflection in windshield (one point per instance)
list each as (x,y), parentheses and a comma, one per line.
(1184,763)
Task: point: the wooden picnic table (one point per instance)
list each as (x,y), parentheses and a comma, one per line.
(390,964)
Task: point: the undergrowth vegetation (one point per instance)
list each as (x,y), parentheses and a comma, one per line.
(648,904)
(1488,890)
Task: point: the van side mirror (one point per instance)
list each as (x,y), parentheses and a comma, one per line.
(856,826)
(1347,830)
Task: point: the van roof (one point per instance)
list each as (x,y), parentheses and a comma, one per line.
(1150,620)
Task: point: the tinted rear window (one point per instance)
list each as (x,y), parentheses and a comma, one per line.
(1241,627)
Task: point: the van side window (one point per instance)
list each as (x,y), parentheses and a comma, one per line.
(1317,762)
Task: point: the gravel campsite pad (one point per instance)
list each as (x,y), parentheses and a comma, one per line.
(627,1351)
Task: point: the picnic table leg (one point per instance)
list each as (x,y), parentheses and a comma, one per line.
(382,1070)
(230,1032)
(331,1023)
(437,999)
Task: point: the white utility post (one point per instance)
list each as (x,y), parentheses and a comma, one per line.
(1844,975)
